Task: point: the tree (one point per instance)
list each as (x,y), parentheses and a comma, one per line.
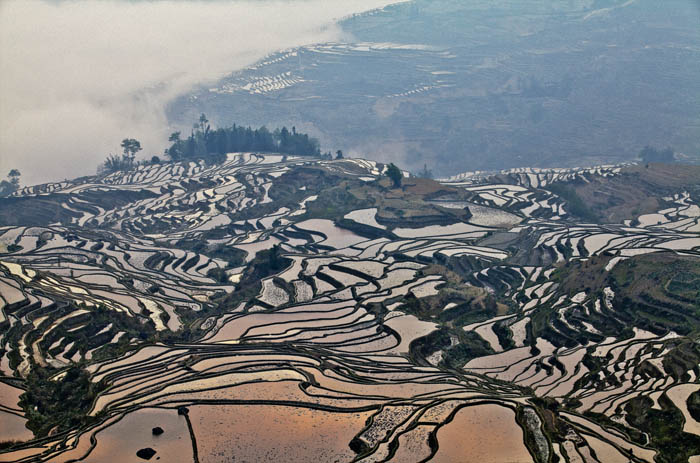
(9,187)
(175,150)
(131,146)
(155,160)
(113,163)
(339,154)
(203,123)
(14,177)
(425,173)
(395,174)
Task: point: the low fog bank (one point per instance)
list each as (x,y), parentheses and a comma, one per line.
(76,77)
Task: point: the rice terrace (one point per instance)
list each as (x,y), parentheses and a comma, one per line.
(414,231)
(198,312)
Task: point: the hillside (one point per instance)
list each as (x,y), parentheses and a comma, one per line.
(228,303)
(485,85)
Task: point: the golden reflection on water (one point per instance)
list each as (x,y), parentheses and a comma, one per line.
(252,433)
(121,441)
(482,433)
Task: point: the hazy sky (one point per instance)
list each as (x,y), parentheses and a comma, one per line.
(76,77)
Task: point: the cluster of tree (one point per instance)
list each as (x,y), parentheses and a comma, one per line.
(212,144)
(9,186)
(328,156)
(58,404)
(650,154)
(205,142)
(113,163)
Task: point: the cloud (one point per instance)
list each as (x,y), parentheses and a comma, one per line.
(76,77)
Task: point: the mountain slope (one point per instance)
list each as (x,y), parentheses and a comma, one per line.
(268,291)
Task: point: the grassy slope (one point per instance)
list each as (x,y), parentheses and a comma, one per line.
(637,190)
(662,287)
(405,206)
(658,292)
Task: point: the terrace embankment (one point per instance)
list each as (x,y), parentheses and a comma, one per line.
(234,302)
(635,191)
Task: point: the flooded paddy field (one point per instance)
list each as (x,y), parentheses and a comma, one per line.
(272,432)
(242,312)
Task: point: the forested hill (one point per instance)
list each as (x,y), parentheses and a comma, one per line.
(211,145)
(205,142)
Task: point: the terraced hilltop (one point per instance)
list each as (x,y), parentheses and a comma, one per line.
(280,308)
